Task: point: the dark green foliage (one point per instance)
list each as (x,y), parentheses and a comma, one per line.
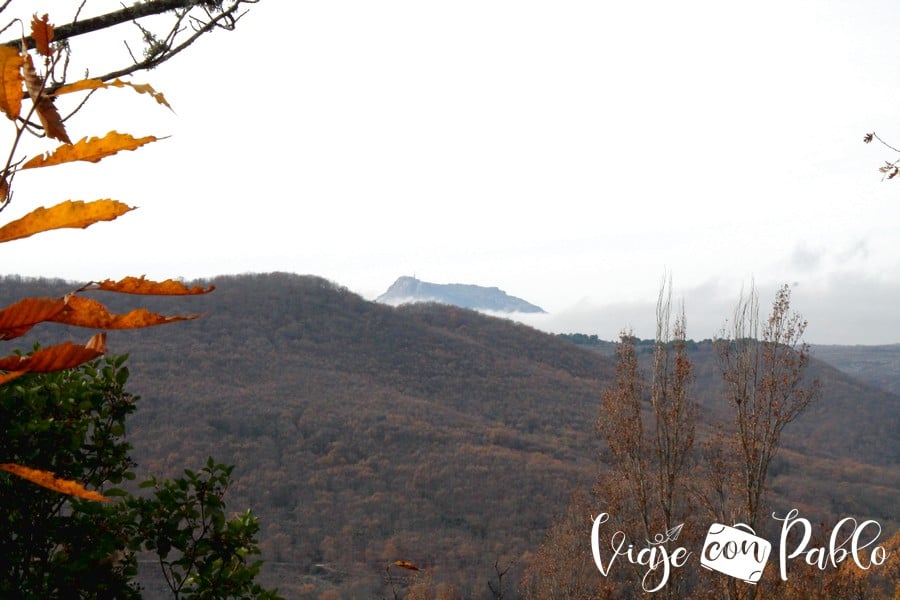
(583,339)
(72,423)
(608,348)
(202,554)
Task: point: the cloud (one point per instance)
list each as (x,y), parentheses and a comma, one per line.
(805,259)
(842,308)
(859,249)
(851,308)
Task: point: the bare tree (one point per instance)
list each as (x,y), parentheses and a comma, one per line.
(656,478)
(763,366)
(650,434)
(673,410)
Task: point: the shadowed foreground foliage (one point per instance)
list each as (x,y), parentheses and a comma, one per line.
(73,424)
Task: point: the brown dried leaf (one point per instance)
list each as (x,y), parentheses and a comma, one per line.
(89,149)
(4,191)
(52,482)
(406,565)
(68,214)
(139,285)
(42,34)
(51,120)
(34,84)
(43,104)
(86,312)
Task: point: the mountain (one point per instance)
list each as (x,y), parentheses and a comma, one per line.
(475,297)
(364,433)
(878,365)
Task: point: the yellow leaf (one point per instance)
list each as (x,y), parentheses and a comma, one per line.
(68,214)
(89,149)
(95,84)
(10,82)
(52,482)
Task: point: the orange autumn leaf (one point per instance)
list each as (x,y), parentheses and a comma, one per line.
(89,149)
(86,312)
(6,377)
(95,84)
(43,104)
(18,318)
(10,82)
(69,214)
(42,34)
(139,285)
(52,482)
(55,358)
(406,565)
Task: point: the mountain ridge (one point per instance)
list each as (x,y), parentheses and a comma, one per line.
(410,289)
(364,433)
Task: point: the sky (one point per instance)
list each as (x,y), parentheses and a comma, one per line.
(572,153)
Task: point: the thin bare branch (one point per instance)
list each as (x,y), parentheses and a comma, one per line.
(159,47)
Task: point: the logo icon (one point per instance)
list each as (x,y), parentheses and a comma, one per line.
(735,552)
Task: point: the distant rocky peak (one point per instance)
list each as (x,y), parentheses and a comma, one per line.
(409,289)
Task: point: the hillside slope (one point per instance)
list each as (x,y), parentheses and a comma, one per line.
(878,365)
(365,434)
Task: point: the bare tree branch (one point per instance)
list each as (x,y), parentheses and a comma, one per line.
(195,16)
(129,13)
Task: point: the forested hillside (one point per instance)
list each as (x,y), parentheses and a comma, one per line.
(365,434)
(878,365)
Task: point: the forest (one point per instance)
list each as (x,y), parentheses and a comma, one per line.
(363,434)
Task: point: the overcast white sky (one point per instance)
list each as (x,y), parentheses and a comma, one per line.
(568,152)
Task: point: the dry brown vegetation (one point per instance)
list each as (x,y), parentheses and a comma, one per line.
(365,434)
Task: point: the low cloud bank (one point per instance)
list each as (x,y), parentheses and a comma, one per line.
(845,308)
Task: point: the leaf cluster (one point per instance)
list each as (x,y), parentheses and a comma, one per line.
(202,553)
(17,70)
(70,423)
